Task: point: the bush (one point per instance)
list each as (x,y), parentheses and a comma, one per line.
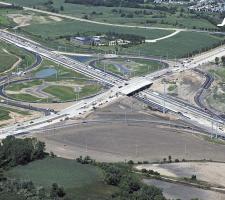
(130,162)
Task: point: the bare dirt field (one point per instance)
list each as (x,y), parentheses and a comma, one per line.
(183,85)
(211,172)
(115,138)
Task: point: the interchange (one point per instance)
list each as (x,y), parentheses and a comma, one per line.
(118,87)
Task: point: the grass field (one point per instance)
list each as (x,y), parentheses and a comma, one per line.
(216,96)
(11,196)
(4,20)
(69,27)
(65,93)
(79,181)
(4,114)
(62,92)
(8,60)
(105,14)
(178,46)
(137,67)
(20,86)
(25,97)
(22,112)
(62,72)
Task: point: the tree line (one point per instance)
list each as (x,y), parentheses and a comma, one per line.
(108,3)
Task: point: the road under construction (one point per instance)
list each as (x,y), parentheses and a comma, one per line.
(118,87)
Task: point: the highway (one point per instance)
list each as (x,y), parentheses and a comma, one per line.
(87,70)
(118,87)
(7,79)
(184,110)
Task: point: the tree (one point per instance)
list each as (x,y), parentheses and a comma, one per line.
(53,192)
(113,175)
(170,158)
(193,177)
(223,60)
(150,193)
(217,60)
(130,184)
(61,8)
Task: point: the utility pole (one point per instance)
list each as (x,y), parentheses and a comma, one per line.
(164,95)
(136,153)
(212,130)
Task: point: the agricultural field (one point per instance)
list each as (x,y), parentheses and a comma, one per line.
(79,181)
(133,16)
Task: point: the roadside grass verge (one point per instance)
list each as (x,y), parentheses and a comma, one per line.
(4,114)
(25,97)
(22,112)
(20,86)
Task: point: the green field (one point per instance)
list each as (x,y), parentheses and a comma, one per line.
(62,72)
(20,86)
(4,20)
(137,67)
(80,182)
(7,60)
(177,46)
(22,112)
(4,114)
(71,27)
(25,97)
(105,14)
(65,93)
(11,196)
(220,72)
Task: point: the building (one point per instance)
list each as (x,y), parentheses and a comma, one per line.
(95,40)
(118,42)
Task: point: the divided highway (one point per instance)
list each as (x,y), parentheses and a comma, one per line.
(118,87)
(63,60)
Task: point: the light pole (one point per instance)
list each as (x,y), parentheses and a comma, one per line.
(164,95)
